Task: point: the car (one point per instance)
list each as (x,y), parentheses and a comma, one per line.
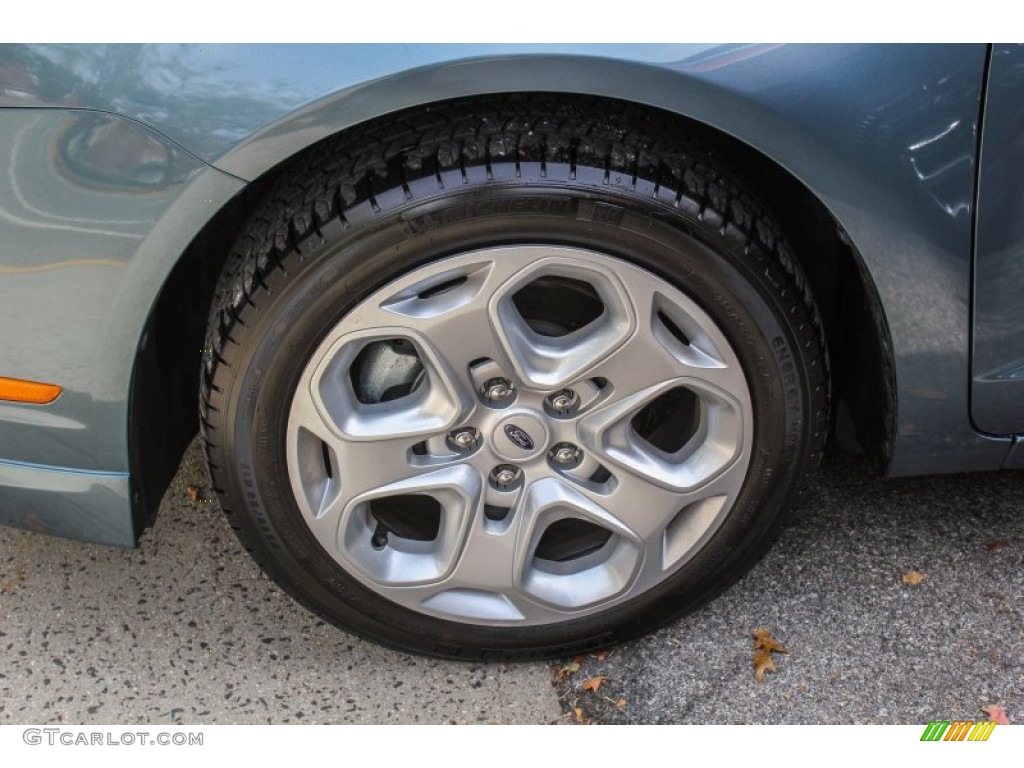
(501,351)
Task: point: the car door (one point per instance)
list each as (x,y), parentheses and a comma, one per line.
(997,395)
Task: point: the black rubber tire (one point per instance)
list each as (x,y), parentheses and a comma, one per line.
(362,208)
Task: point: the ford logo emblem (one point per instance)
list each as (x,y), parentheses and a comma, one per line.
(519,437)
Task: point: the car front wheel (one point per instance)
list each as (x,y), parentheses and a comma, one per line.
(511,378)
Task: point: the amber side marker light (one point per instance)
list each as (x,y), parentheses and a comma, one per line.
(21,391)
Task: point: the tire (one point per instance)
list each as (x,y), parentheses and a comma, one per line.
(511,378)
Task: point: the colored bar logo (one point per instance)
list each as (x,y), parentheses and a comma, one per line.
(958,730)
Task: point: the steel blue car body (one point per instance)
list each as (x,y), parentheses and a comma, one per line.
(128,167)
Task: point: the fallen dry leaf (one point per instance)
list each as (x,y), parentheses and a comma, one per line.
(193,492)
(621,703)
(763,640)
(913,576)
(578,711)
(594,683)
(996,713)
(763,662)
(764,646)
(995,546)
(569,669)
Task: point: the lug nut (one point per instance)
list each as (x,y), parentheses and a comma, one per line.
(506,475)
(562,401)
(463,439)
(497,390)
(566,454)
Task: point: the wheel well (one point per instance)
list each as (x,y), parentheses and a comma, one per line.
(163,410)
(165,382)
(856,331)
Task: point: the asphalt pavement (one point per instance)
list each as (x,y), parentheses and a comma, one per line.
(864,646)
(187,630)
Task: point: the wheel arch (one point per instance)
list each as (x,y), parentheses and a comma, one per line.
(165,378)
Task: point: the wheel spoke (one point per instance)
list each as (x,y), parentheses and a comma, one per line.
(672,525)
(305,414)
(571,581)
(646,508)
(409,532)
(695,519)
(691,403)
(480,583)
(489,558)
(367,468)
(449,308)
(430,403)
(717,438)
(462,339)
(653,355)
(549,345)
(371,466)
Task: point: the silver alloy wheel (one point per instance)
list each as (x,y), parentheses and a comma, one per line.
(540,515)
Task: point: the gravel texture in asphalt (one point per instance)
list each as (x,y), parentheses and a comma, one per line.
(864,647)
(187,630)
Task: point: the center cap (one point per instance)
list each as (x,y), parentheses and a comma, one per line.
(519,436)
